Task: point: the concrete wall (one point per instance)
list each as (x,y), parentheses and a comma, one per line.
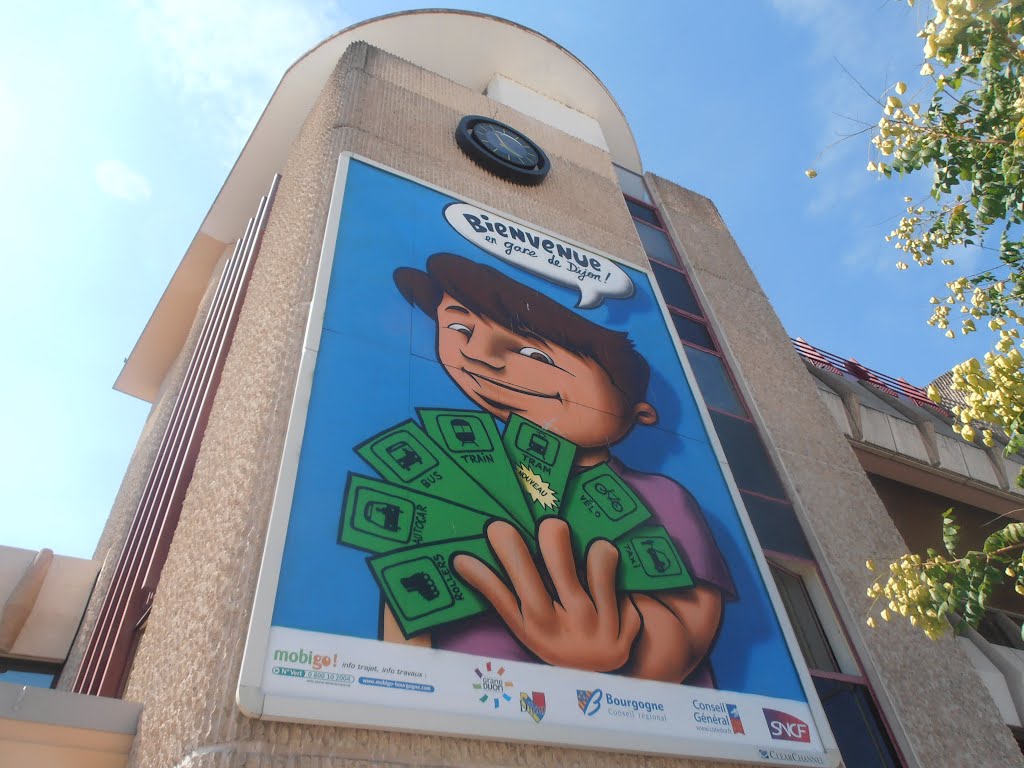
(381,107)
(187,666)
(944,713)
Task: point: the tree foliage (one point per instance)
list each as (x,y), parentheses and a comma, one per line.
(932,592)
(967,128)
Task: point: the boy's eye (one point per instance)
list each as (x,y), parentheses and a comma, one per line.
(535,354)
(463,329)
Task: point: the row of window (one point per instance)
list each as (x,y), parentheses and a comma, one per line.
(859,730)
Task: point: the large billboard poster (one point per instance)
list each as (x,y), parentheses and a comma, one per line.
(499,511)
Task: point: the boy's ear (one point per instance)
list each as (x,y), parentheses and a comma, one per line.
(645,414)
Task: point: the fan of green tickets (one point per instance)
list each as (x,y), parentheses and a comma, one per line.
(444,481)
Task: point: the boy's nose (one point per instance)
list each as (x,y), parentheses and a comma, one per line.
(487,350)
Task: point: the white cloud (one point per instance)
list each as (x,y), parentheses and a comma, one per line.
(230,54)
(118,180)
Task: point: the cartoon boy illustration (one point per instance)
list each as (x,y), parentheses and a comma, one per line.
(510,349)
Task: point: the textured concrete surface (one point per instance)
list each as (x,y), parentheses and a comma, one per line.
(187,666)
(945,715)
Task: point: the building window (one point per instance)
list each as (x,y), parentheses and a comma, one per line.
(845,694)
(846,697)
(770,511)
(36,674)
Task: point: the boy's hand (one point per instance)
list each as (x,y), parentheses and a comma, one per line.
(592,630)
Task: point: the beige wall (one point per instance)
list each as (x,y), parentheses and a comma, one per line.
(388,110)
(187,666)
(944,713)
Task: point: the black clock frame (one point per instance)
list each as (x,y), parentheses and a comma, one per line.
(486,159)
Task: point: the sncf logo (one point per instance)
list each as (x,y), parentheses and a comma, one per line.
(786,727)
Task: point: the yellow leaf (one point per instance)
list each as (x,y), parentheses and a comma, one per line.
(810,173)
(901,88)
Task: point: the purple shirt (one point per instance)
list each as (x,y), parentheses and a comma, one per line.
(671,506)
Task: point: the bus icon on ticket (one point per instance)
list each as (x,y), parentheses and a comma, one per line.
(401,454)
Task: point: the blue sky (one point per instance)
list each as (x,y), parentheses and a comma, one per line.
(119,121)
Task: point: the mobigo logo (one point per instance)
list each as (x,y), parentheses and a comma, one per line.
(787,727)
(316,660)
(535,705)
(589,701)
(492,685)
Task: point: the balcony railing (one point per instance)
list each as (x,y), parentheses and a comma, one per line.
(851,369)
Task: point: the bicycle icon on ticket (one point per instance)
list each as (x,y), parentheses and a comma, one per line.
(612,498)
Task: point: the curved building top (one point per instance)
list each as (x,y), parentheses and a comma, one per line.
(473,49)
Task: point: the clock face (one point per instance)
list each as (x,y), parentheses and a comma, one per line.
(506,144)
(502,150)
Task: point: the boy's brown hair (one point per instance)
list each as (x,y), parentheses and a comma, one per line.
(487,292)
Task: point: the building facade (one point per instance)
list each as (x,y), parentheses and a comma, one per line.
(833,464)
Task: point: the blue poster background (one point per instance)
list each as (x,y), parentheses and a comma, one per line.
(377,363)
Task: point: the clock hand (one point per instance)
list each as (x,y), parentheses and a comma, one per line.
(518,151)
(497,135)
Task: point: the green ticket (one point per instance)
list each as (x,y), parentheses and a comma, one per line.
(542,461)
(649,561)
(599,504)
(472,440)
(423,589)
(380,517)
(405,455)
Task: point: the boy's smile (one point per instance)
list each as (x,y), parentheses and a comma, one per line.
(505,372)
(481,378)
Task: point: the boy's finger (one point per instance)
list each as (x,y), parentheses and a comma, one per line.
(602,562)
(556,549)
(630,620)
(518,563)
(478,575)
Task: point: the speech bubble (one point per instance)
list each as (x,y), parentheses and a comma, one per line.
(556,261)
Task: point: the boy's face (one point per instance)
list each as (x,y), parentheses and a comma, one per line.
(505,372)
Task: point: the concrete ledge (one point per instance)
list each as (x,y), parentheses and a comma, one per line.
(50,728)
